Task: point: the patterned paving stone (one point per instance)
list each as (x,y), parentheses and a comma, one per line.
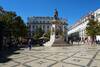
(54,49)
(53,53)
(99,53)
(95,63)
(84,55)
(97,57)
(77,61)
(91,52)
(65,54)
(25,59)
(9,64)
(40,63)
(42,55)
(16,56)
(20,65)
(1,64)
(31,53)
(57,57)
(65,65)
(73,56)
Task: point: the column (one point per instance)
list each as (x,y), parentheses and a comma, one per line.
(53,29)
(63,28)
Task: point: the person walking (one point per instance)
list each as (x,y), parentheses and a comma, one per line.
(29,44)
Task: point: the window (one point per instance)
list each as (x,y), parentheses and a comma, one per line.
(33,27)
(36,27)
(36,21)
(40,26)
(40,22)
(43,26)
(33,21)
(97,15)
(47,26)
(92,17)
(48,21)
(43,21)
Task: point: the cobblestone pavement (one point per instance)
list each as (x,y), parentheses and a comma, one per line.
(72,56)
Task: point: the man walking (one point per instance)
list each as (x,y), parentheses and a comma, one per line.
(29,44)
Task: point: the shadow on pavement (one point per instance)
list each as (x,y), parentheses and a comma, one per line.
(4,54)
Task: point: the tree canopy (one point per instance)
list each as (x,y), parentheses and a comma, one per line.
(12,23)
(93,28)
(39,33)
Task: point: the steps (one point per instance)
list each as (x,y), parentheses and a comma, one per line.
(59,42)
(55,42)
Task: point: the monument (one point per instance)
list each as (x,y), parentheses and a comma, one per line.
(58,30)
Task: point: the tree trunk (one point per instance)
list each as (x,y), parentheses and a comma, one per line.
(92,40)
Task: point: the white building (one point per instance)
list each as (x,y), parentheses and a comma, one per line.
(2,11)
(44,23)
(80,26)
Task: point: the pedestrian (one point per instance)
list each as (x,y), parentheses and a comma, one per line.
(72,41)
(29,44)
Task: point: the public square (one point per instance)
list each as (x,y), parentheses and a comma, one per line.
(49,33)
(70,56)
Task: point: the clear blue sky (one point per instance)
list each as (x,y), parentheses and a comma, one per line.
(72,10)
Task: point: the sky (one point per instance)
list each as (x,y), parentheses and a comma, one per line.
(72,10)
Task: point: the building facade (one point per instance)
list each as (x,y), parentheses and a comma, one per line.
(44,23)
(79,28)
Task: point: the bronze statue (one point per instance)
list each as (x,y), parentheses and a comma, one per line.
(56,14)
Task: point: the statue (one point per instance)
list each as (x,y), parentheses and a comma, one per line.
(56,14)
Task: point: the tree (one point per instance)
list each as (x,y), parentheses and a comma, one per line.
(47,34)
(39,33)
(15,24)
(98,28)
(11,25)
(19,27)
(93,29)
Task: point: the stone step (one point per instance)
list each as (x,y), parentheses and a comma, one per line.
(59,42)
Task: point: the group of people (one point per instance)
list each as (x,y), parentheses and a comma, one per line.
(15,42)
(10,42)
(91,41)
(83,40)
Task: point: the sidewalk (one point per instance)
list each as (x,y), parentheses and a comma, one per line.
(72,56)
